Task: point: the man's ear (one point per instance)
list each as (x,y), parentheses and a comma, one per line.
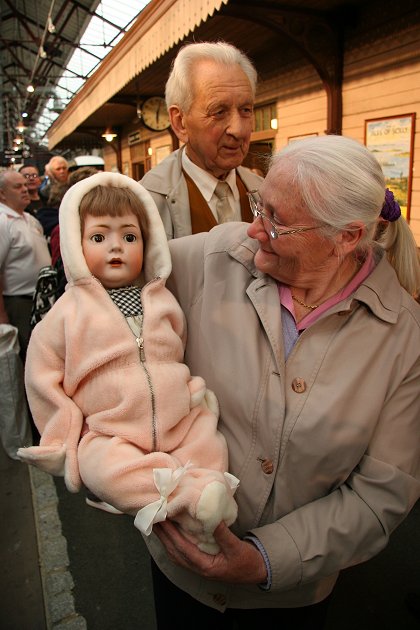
(348,239)
(177,123)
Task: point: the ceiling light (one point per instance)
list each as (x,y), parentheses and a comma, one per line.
(25,114)
(30,88)
(42,53)
(51,27)
(21,126)
(109,134)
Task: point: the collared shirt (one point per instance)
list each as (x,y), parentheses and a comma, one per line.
(23,251)
(206,183)
(287,301)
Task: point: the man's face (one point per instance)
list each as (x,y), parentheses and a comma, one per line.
(217,128)
(31,175)
(15,192)
(60,171)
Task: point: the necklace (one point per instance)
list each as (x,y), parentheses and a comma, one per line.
(312,307)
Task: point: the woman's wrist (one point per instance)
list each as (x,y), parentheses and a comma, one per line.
(264,580)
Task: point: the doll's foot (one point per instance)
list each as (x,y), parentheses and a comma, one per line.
(216,504)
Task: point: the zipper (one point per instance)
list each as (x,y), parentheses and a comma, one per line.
(140,344)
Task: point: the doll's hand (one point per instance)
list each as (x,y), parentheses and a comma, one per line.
(238,562)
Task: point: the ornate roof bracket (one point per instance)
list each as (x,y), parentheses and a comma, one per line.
(318,35)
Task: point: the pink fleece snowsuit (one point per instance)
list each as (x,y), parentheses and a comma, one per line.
(119,412)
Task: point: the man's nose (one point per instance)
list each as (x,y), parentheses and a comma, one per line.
(237,124)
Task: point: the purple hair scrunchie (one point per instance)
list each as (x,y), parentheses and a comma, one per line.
(391,210)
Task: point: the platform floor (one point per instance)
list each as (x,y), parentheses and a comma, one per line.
(67,566)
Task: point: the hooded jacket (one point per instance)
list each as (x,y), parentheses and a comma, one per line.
(88,377)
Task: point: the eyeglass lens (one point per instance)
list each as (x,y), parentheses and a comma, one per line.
(254,197)
(31,176)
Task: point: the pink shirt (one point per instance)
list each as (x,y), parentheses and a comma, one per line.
(287,301)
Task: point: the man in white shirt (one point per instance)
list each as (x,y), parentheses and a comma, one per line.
(210,97)
(23,251)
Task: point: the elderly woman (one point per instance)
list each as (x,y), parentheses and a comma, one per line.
(304,326)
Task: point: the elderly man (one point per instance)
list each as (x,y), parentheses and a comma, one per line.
(23,251)
(210,95)
(33,182)
(56,171)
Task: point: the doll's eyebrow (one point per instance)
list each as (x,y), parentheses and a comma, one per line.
(106,225)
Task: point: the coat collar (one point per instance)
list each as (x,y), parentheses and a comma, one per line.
(380,291)
(161,178)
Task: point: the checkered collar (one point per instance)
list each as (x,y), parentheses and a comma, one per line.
(128,300)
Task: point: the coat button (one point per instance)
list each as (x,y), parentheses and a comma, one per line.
(266,465)
(298,385)
(220,599)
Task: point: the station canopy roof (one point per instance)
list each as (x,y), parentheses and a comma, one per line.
(53,45)
(59,46)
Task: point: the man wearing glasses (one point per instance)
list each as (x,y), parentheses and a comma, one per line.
(33,182)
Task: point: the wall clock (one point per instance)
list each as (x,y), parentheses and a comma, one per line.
(154,113)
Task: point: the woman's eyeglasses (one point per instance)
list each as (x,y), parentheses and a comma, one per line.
(30,175)
(275,231)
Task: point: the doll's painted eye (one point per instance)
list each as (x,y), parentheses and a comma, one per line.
(130,238)
(97,238)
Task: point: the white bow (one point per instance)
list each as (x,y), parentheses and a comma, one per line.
(232,481)
(166,480)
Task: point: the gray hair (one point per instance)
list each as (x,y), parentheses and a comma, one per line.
(4,176)
(178,86)
(57,158)
(49,165)
(341,182)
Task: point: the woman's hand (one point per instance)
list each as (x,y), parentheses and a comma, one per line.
(238,561)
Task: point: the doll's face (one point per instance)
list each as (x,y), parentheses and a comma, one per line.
(113,249)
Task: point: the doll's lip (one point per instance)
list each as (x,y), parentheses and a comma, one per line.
(115,262)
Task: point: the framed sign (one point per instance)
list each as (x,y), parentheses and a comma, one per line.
(391,140)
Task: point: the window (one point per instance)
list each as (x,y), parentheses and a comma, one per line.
(264,115)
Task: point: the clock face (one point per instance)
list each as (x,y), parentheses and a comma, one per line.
(154,113)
